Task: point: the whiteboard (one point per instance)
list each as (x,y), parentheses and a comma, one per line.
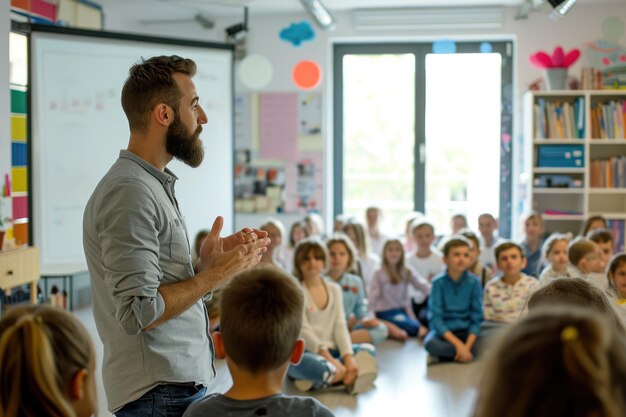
(78,128)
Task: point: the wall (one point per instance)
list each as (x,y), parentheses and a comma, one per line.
(582,24)
(5,97)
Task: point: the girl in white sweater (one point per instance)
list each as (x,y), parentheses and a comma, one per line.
(329,358)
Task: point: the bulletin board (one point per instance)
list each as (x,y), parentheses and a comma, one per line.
(279,152)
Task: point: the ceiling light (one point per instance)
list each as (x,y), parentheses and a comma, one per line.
(561,6)
(320,13)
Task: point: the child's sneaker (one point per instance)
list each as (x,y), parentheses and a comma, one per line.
(303,384)
(368,371)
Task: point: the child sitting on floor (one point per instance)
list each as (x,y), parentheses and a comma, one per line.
(389,293)
(584,255)
(554,252)
(363,326)
(329,358)
(261,315)
(505,295)
(455,306)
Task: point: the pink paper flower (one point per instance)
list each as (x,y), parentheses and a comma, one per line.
(558,59)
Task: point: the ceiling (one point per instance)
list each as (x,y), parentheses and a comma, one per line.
(150,9)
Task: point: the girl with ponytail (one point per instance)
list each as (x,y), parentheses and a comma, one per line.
(47,365)
(557,362)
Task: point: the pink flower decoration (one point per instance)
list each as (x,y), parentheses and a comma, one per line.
(558,59)
(606,61)
(622,58)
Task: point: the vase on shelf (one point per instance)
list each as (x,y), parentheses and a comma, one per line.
(555,78)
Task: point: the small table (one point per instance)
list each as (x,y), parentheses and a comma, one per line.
(66,272)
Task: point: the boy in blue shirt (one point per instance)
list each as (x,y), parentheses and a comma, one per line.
(455,306)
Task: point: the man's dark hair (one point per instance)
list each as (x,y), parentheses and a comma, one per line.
(150,83)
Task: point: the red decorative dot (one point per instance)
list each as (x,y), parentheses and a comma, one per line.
(622,58)
(306,74)
(606,61)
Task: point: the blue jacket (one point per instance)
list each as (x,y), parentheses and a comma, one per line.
(455,305)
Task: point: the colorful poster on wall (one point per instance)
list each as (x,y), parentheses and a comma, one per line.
(284,172)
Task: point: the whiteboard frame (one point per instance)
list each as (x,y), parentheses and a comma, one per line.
(28,29)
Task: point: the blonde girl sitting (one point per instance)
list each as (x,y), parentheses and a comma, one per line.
(554,251)
(364,327)
(389,292)
(47,364)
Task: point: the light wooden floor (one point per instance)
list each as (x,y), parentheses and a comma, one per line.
(405,384)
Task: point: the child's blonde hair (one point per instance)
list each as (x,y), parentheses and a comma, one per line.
(41,349)
(362,241)
(579,248)
(344,240)
(548,245)
(396,272)
(571,351)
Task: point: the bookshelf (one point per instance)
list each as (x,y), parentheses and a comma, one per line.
(577,154)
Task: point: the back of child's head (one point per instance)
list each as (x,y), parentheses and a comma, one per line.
(551,241)
(455,241)
(556,362)
(593,222)
(579,248)
(576,292)
(600,236)
(310,245)
(42,349)
(505,246)
(355,230)
(342,239)
(261,318)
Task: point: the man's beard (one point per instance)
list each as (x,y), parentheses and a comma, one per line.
(182,145)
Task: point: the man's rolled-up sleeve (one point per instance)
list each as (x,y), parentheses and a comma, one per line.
(129,234)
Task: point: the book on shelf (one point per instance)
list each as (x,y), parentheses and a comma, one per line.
(617,227)
(555,212)
(608,173)
(608,120)
(555,119)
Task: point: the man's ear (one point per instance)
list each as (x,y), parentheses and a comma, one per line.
(163,114)
(524,262)
(298,352)
(218,342)
(77,384)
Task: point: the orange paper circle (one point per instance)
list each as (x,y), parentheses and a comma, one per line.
(306,74)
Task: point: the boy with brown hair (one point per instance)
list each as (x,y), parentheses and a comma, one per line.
(505,295)
(454,306)
(261,318)
(584,255)
(604,239)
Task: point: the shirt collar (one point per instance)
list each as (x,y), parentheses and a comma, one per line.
(163,176)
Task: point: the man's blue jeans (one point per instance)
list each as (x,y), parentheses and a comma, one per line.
(163,401)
